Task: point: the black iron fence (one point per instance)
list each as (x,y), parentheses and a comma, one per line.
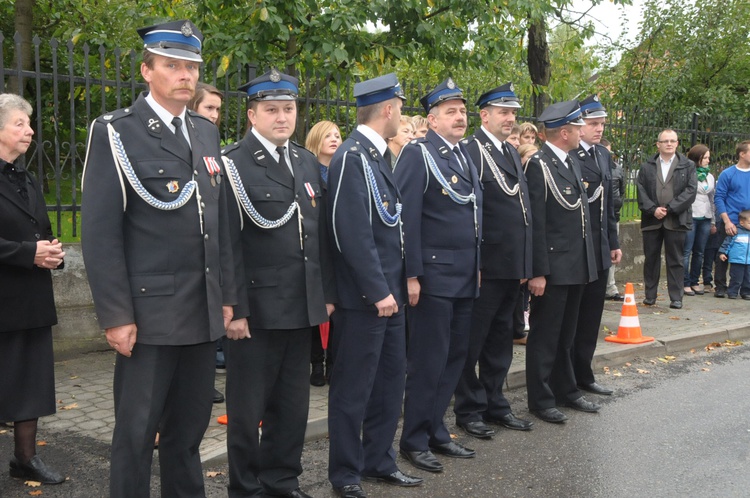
(70,85)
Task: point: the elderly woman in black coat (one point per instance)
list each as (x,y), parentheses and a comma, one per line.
(27,308)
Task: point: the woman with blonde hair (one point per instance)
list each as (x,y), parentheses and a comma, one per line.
(421,126)
(528,133)
(405,134)
(323,140)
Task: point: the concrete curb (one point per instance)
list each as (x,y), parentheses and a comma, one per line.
(317,428)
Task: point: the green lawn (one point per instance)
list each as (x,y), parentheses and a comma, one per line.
(66,226)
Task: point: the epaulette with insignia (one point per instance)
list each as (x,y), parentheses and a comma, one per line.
(229,148)
(465,141)
(115,115)
(357,147)
(302,149)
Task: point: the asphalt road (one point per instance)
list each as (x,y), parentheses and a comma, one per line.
(675,428)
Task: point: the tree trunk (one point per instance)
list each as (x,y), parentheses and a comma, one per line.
(24,26)
(539,64)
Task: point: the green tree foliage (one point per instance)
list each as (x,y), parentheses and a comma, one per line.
(688,57)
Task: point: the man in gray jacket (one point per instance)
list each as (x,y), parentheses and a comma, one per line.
(666,190)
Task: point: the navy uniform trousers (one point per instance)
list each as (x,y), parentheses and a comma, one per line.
(366,388)
(490,344)
(438,343)
(270,361)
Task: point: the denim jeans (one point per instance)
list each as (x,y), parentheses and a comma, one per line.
(739,280)
(695,243)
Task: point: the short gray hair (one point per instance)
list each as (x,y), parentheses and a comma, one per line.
(12,102)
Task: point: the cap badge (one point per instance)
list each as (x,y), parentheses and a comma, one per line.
(596,98)
(275,76)
(186,30)
(450,84)
(512,89)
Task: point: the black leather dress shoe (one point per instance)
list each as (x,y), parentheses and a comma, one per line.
(317,376)
(510,421)
(676,305)
(35,470)
(218,397)
(583,405)
(616,297)
(596,389)
(551,415)
(649,302)
(477,429)
(350,491)
(397,478)
(720,293)
(423,460)
(453,450)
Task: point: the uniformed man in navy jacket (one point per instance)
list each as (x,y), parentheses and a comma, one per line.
(563,263)
(367,384)
(156,243)
(506,263)
(442,230)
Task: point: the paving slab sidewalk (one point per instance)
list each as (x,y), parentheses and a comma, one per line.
(84,380)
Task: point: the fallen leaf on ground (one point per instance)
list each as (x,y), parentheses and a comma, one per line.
(692,350)
(674,317)
(36,492)
(642,371)
(617,374)
(719,311)
(713,346)
(70,406)
(705,369)
(3,431)
(41,443)
(33,484)
(605,370)
(627,364)
(708,363)
(453,436)
(732,343)
(214,473)
(73,377)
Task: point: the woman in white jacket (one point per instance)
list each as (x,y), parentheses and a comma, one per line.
(704,222)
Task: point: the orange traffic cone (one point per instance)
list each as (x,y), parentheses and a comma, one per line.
(224,420)
(629,331)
